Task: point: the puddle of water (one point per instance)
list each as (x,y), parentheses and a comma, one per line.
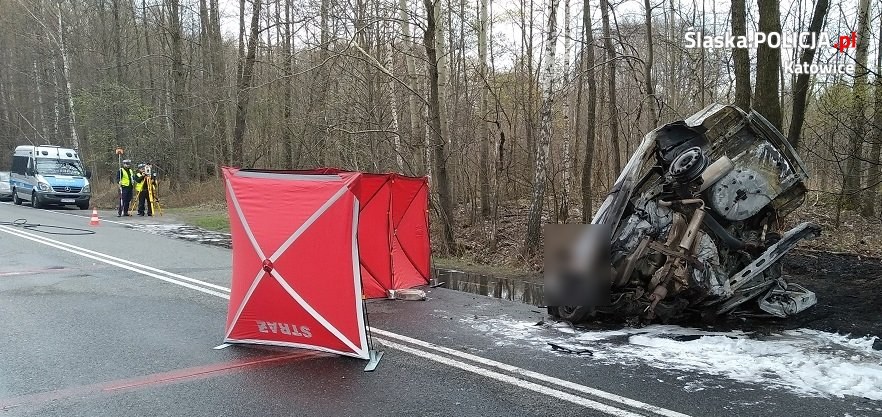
(519,290)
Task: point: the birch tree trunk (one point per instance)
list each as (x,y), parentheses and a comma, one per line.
(43,131)
(56,104)
(534,217)
(567,160)
(65,69)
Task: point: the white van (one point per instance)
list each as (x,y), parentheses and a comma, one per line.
(47,175)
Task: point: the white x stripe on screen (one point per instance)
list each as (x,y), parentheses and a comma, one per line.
(275,256)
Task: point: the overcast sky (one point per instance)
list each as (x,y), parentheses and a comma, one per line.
(507,33)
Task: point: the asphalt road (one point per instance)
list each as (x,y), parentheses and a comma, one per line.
(88,335)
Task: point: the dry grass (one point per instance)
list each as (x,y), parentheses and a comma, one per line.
(854,234)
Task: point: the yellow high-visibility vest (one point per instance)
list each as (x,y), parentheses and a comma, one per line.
(125,177)
(139,185)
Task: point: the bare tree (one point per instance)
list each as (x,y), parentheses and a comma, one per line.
(439,157)
(768,66)
(800,89)
(243,93)
(567,169)
(411,80)
(590,110)
(611,82)
(872,202)
(651,100)
(325,83)
(534,217)
(484,148)
(740,56)
(218,76)
(852,181)
(393,101)
(443,68)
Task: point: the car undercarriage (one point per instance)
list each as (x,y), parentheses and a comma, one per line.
(695,220)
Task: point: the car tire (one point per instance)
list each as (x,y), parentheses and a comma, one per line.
(15,199)
(574,314)
(35,201)
(84,206)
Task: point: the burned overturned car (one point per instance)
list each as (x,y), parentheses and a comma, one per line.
(693,221)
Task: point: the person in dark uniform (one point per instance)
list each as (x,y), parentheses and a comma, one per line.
(125,179)
(142,190)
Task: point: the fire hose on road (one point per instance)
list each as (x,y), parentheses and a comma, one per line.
(47,228)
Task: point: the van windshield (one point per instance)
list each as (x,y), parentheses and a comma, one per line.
(46,166)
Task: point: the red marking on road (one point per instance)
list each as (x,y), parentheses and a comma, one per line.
(158,379)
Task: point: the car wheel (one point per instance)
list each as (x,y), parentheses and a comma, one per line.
(574,314)
(35,202)
(15,199)
(83,206)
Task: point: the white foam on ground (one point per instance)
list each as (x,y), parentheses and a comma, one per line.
(806,362)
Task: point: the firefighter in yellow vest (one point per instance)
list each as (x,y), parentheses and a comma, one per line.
(142,191)
(126,181)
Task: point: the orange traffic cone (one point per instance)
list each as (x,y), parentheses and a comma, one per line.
(94,221)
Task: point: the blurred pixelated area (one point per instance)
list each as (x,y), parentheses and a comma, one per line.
(577,265)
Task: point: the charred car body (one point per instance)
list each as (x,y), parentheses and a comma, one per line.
(694,222)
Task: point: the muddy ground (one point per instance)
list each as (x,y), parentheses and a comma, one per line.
(849,290)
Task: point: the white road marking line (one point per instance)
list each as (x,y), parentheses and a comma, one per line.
(222,346)
(49,242)
(124,261)
(462,355)
(520,383)
(530,374)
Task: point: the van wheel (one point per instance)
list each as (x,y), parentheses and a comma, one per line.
(83,206)
(35,202)
(15,199)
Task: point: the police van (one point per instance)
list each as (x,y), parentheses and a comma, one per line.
(49,175)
